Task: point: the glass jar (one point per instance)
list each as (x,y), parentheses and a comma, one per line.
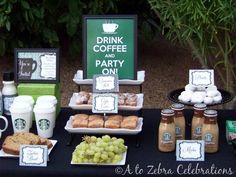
(166,138)
(179,121)
(210,131)
(197,121)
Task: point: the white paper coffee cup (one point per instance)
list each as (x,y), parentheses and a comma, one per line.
(45,115)
(20,116)
(26,99)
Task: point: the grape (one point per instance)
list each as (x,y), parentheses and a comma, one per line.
(103,149)
(106,138)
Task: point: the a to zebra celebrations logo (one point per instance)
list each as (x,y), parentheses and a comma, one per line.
(44,124)
(20,124)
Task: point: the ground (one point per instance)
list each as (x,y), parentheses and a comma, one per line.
(166,68)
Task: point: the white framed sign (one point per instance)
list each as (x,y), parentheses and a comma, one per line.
(190,150)
(105,103)
(33,155)
(105,83)
(201,77)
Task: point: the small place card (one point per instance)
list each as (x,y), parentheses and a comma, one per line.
(201,78)
(33,155)
(190,150)
(105,103)
(105,83)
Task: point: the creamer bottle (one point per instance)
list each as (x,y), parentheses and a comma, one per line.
(197,121)
(8,91)
(210,131)
(166,137)
(179,121)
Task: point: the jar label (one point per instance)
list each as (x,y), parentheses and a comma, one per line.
(44,124)
(166,137)
(177,130)
(19,124)
(7,102)
(198,131)
(208,138)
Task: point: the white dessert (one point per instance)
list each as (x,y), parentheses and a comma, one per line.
(209,95)
(208,100)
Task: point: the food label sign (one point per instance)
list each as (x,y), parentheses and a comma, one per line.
(109,44)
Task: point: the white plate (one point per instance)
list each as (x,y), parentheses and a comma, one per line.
(78,79)
(119,131)
(122,162)
(3,154)
(73,104)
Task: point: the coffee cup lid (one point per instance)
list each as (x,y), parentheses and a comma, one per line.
(24,98)
(47,99)
(20,107)
(44,108)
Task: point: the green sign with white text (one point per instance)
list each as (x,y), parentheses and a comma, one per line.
(110,46)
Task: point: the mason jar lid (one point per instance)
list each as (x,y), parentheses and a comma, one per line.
(177,106)
(200,106)
(210,113)
(167,112)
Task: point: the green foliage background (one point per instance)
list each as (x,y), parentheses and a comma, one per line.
(58,23)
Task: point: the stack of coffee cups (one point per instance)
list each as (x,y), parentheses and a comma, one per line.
(21,113)
(45,115)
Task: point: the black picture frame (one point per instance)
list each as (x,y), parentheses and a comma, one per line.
(26,78)
(84,38)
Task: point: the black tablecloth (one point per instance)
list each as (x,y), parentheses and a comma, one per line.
(145,160)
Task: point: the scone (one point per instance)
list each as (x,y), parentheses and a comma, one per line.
(94,117)
(121,99)
(96,123)
(112,123)
(80,116)
(82,97)
(115,117)
(131,99)
(129,122)
(80,121)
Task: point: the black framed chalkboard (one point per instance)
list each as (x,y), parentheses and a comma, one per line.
(37,65)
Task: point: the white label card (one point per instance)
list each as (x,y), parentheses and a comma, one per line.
(48,66)
(105,103)
(33,155)
(105,83)
(201,78)
(190,150)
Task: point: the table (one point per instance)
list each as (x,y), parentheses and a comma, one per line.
(145,160)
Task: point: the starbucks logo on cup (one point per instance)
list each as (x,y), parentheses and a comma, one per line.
(20,124)
(44,124)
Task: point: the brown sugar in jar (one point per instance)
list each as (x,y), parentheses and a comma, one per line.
(166,134)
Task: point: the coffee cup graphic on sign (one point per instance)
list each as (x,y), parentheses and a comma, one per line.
(27,67)
(109,27)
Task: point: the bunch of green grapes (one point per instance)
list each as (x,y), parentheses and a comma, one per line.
(99,150)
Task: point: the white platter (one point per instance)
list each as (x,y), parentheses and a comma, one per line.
(122,162)
(73,104)
(3,154)
(119,131)
(78,79)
